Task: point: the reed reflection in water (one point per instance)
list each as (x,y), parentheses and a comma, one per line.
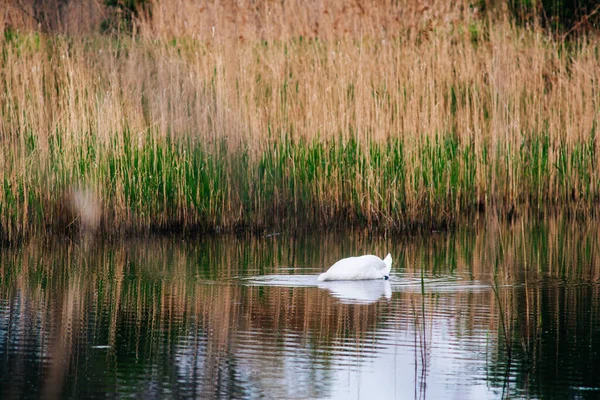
(489,311)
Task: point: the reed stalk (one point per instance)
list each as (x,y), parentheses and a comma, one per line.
(271,128)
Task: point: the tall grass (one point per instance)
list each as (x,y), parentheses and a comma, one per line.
(385,129)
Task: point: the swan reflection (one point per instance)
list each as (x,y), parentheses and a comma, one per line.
(361,292)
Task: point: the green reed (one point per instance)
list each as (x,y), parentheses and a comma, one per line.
(186,135)
(168,184)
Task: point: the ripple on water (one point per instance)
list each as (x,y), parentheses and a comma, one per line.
(170,321)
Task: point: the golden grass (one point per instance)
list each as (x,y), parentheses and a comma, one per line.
(474,111)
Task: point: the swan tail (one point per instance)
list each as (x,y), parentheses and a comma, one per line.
(322,277)
(388,265)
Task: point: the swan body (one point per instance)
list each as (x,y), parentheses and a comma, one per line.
(357,268)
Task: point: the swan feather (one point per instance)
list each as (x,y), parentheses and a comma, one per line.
(358,268)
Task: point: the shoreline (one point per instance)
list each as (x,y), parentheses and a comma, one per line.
(485,218)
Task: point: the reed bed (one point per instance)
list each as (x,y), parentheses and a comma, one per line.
(410,127)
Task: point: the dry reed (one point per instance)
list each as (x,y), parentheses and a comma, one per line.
(389,120)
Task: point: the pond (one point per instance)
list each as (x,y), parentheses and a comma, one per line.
(490,310)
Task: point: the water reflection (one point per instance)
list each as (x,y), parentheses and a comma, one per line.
(359,292)
(485,312)
(349,292)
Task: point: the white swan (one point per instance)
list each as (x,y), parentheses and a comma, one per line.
(355,268)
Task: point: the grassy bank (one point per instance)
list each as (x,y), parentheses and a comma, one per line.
(214,133)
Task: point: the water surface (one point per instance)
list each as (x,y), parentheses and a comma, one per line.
(489,311)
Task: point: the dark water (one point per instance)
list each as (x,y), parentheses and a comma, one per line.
(489,311)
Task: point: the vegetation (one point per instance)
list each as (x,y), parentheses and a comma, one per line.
(213,121)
